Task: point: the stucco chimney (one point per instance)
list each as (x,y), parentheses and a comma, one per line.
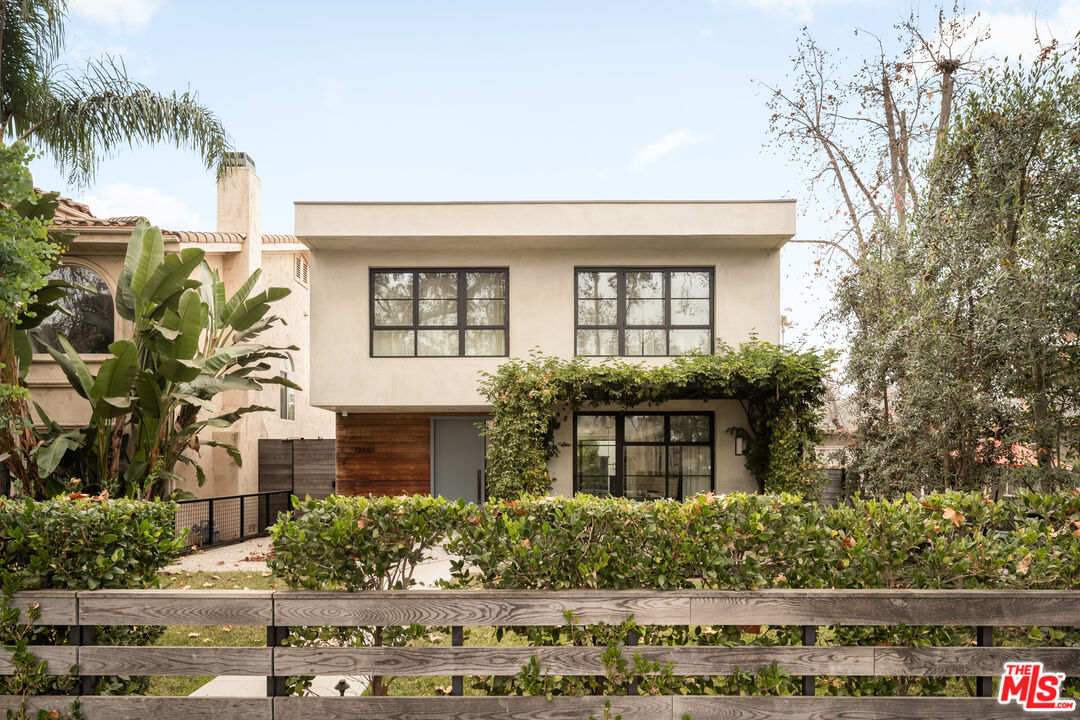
(239,210)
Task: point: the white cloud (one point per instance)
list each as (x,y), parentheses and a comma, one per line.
(656,150)
(1012,32)
(122,199)
(117,14)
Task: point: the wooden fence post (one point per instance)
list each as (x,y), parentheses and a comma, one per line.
(984,637)
(809,682)
(457,639)
(275,636)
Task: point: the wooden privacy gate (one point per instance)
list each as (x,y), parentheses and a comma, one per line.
(278,610)
(304,467)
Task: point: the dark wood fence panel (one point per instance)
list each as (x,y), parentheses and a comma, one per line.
(275,465)
(314,468)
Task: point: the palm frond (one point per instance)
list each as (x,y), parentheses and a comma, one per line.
(81,119)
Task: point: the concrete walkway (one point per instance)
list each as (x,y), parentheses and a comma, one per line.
(227,558)
(426,576)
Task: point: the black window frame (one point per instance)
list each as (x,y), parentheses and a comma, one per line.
(462,310)
(621,325)
(618,482)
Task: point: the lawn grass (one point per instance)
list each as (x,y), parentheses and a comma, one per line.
(213,635)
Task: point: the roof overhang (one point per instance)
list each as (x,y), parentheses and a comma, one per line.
(762,225)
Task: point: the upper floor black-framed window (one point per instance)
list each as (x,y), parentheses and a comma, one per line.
(643,455)
(643,311)
(86,316)
(437,312)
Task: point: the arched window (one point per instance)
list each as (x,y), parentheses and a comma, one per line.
(87,317)
(287,407)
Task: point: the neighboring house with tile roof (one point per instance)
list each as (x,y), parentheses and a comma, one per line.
(236,249)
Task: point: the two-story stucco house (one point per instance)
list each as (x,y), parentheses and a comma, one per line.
(410,301)
(236,249)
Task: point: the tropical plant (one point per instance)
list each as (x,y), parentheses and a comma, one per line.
(80,118)
(190,343)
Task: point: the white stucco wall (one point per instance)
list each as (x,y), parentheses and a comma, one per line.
(345,376)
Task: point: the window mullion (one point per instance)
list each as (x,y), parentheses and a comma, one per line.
(619,488)
(620,310)
(416,313)
(461,313)
(667,312)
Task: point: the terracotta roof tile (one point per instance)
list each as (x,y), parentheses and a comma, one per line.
(279,239)
(198,236)
(72,214)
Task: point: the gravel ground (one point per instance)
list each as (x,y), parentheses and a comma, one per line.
(228,558)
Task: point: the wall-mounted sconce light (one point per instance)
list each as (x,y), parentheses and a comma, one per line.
(740,445)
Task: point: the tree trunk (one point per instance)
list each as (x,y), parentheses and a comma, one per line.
(948,83)
(899,187)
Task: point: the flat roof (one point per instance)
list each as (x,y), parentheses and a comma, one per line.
(757,224)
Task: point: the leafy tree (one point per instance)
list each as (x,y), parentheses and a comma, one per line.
(80,118)
(989,365)
(190,344)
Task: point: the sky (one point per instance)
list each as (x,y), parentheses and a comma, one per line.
(490,100)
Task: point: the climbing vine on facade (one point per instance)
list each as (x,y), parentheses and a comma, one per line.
(780,390)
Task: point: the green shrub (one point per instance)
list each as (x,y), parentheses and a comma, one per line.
(731,542)
(359,543)
(78,543)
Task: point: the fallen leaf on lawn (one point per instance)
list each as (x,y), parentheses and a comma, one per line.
(226,628)
(214,577)
(208,584)
(445,690)
(194,634)
(206,640)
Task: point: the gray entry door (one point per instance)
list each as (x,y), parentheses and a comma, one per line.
(457,462)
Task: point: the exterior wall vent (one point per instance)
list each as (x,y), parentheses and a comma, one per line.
(300,269)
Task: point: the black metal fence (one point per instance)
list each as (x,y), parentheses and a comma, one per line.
(231,518)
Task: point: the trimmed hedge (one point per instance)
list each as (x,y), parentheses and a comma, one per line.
(80,543)
(74,543)
(739,542)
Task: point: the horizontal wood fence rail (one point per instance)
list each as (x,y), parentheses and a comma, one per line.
(279,610)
